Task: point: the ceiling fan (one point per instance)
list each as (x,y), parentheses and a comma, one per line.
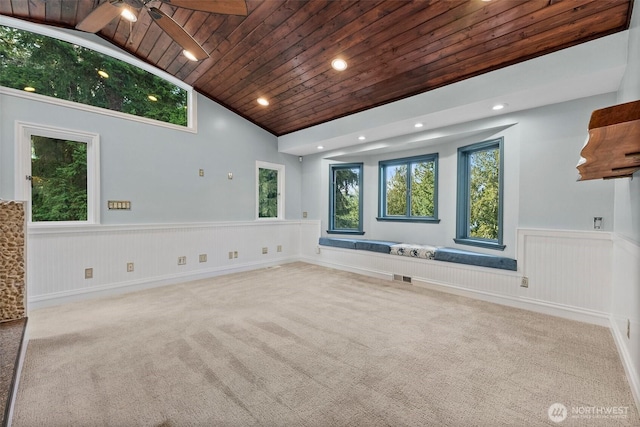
(110,9)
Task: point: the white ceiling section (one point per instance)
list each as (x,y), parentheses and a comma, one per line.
(587,69)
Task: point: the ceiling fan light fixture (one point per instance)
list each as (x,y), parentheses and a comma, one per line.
(190,56)
(128,15)
(262,101)
(339,64)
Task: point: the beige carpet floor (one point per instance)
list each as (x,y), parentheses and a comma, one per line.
(302,345)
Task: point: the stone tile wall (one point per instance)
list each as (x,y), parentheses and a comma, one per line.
(12,261)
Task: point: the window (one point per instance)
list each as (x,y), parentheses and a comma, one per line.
(479,217)
(409,189)
(270,191)
(58,174)
(345,199)
(48,66)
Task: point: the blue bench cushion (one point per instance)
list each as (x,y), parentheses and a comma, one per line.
(338,243)
(474,258)
(374,246)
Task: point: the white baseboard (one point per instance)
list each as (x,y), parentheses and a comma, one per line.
(627,363)
(543,307)
(344,267)
(18,373)
(64,297)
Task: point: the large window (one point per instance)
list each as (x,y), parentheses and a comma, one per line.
(409,189)
(47,66)
(270,190)
(58,174)
(345,199)
(479,216)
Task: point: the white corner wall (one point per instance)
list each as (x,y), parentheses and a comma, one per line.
(625,295)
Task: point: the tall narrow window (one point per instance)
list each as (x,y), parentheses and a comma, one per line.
(408,189)
(345,199)
(479,216)
(58,174)
(270,190)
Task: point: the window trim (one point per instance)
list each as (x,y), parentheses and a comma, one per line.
(382,194)
(98,46)
(280,197)
(463,206)
(23,132)
(332,229)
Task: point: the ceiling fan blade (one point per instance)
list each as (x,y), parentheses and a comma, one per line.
(177,33)
(225,7)
(100,16)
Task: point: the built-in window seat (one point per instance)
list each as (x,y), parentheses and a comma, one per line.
(423,251)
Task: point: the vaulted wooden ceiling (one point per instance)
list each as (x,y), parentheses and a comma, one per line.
(282,50)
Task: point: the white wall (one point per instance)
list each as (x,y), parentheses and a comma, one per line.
(157,168)
(625,299)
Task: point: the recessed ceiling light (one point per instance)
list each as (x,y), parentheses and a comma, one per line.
(263,101)
(498,107)
(362,138)
(30,89)
(320,147)
(128,15)
(190,56)
(418,125)
(152,98)
(339,64)
(103,74)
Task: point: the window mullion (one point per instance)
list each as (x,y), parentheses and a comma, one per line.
(408,195)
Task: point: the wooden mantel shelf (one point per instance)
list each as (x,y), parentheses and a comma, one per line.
(613,147)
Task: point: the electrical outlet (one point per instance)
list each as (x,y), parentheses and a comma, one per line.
(182,260)
(628,329)
(231,255)
(202,257)
(235,254)
(304,214)
(279,248)
(525,282)
(265,250)
(88,273)
(129,267)
(201,172)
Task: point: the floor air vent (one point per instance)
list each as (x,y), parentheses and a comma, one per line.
(401,278)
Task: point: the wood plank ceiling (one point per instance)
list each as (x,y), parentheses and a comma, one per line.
(282,50)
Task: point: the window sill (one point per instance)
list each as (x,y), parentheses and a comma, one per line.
(352,232)
(480,244)
(427,220)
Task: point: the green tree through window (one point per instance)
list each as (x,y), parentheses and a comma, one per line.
(409,189)
(484,194)
(479,216)
(58,180)
(67,71)
(268,193)
(345,211)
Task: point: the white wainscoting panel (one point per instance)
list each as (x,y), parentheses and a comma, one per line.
(567,268)
(58,257)
(625,307)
